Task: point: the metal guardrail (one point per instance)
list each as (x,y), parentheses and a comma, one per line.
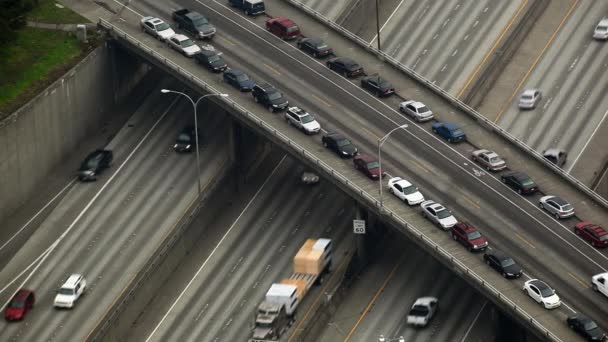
(366,197)
(453,100)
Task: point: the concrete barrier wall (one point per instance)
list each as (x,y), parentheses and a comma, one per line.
(38,136)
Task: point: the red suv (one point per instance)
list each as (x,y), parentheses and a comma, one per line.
(21,303)
(368,165)
(469,236)
(596,235)
(283,27)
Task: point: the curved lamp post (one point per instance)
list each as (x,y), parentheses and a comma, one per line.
(194,105)
(380,143)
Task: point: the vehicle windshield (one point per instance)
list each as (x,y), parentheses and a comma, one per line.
(567,207)
(423,110)
(343,142)
(242,78)
(200,21)
(322,46)
(385,84)
(373,165)
(602,28)
(275,95)
(507,262)
(527,97)
(443,213)
(419,310)
(457,131)
(547,292)
(307,119)
(186,43)
(408,190)
(292,29)
(473,235)
(527,182)
(258,5)
(90,163)
(67,292)
(604,237)
(214,58)
(264,325)
(184,138)
(162,27)
(17,304)
(590,325)
(494,160)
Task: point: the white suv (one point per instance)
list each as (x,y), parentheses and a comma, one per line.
(301,119)
(70,291)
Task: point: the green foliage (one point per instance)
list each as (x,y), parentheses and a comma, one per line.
(46,11)
(12,17)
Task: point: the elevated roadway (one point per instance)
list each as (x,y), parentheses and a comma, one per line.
(546,248)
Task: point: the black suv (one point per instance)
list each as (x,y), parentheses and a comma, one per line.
(345,66)
(186,140)
(94,164)
(270,97)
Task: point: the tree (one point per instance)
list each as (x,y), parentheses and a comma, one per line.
(12,17)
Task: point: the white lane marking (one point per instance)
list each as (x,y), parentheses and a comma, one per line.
(600,181)
(127,7)
(40,259)
(466,334)
(587,143)
(213,251)
(386,22)
(432,136)
(38,213)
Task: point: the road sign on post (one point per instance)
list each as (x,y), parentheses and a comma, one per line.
(359,226)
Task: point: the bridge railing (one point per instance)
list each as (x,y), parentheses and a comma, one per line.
(370,200)
(452,99)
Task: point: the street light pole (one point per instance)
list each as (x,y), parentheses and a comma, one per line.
(380,143)
(378,25)
(194,105)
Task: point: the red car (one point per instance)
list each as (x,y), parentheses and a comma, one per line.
(469,236)
(22,302)
(593,233)
(283,27)
(368,165)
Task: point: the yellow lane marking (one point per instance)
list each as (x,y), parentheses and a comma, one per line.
(227,40)
(504,107)
(491,51)
(524,240)
(579,280)
(321,294)
(471,201)
(420,166)
(321,100)
(272,69)
(374,299)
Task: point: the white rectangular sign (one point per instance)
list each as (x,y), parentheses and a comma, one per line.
(359,226)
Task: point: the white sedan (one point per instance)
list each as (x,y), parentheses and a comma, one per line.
(417,110)
(438,214)
(542,293)
(184,45)
(422,311)
(405,191)
(157,28)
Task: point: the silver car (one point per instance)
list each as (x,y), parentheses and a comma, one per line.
(529,98)
(184,45)
(417,110)
(490,160)
(556,206)
(157,28)
(601,30)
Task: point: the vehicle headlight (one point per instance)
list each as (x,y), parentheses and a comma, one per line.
(275,106)
(344,152)
(188,146)
(175,146)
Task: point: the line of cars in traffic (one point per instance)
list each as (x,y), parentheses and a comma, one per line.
(463,232)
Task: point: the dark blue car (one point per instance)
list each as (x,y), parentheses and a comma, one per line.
(449,131)
(238,79)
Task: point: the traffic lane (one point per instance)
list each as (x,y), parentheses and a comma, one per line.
(27,219)
(415,275)
(226,203)
(80,194)
(306,86)
(258,248)
(106,245)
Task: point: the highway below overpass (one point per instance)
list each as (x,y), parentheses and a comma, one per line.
(107,230)
(546,248)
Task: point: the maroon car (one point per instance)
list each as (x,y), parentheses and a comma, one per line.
(469,236)
(283,27)
(596,235)
(368,165)
(22,302)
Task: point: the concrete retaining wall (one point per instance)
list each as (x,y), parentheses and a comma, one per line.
(41,134)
